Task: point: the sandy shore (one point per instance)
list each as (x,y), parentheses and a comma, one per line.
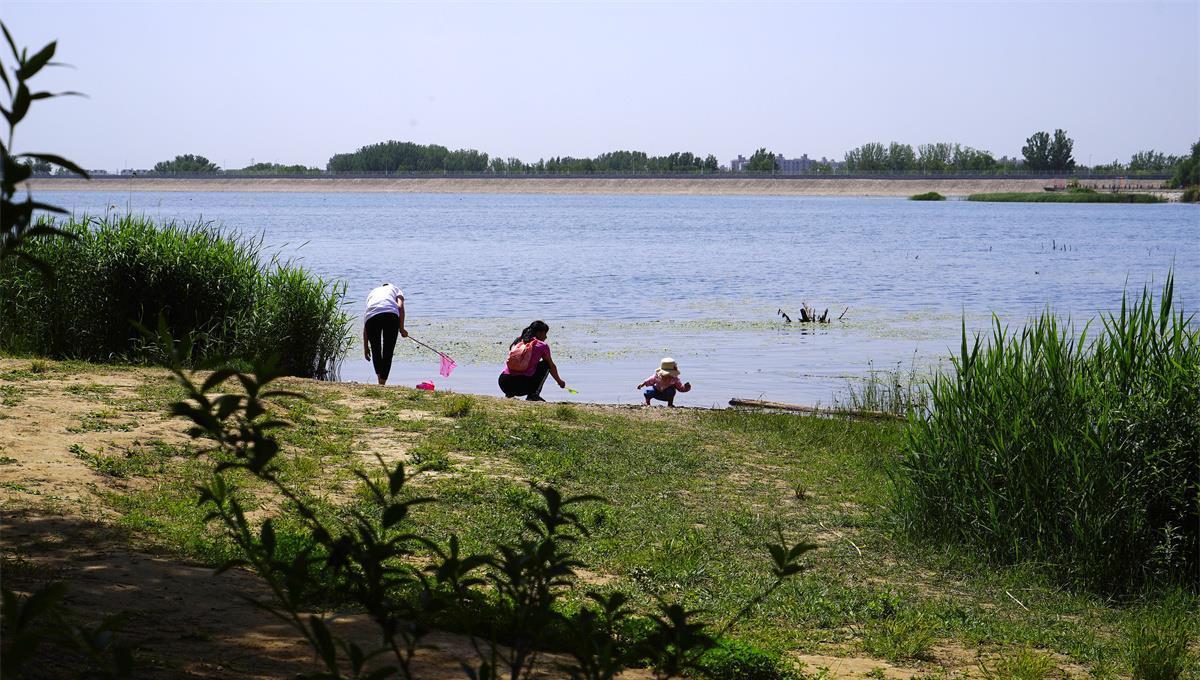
(707,187)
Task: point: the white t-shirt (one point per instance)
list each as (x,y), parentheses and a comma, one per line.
(382,300)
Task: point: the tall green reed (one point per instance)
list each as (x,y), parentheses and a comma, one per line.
(894,391)
(301,315)
(207,285)
(1085,455)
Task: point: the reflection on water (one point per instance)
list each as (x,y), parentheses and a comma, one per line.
(624,280)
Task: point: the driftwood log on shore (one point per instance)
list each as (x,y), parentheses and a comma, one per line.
(797,408)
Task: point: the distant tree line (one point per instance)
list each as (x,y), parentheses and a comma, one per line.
(614,162)
(932,159)
(278,169)
(1146,163)
(1043,152)
(194,163)
(187,163)
(43,168)
(393,156)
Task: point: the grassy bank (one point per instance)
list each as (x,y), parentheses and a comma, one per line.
(208,285)
(691,498)
(1083,196)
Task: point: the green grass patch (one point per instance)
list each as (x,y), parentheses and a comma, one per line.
(1160,642)
(151,395)
(11,395)
(1065,197)
(927,196)
(457,405)
(901,637)
(41,369)
(89,390)
(137,460)
(1021,665)
(691,497)
(102,421)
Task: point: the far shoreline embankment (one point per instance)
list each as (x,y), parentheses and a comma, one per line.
(723,186)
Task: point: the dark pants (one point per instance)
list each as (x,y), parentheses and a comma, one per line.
(382,330)
(661,395)
(528,386)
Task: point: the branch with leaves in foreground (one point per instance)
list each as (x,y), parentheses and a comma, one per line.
(17,223)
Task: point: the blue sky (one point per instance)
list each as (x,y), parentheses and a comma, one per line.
(297,82)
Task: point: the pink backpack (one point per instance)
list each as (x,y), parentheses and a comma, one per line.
(520,357)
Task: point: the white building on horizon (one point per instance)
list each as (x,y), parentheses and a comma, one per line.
(783,166)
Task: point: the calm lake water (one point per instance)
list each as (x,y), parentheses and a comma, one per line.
(626,280)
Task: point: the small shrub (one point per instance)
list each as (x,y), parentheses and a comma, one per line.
(457,405)
(1159,644)
(38,366)
(1024,665)
(800,490)
(733,660)
(566,412)
(430,459)
(1191,195)
(900,637)
(927,196)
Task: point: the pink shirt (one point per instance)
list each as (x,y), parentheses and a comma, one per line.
(663,382)
(540,351)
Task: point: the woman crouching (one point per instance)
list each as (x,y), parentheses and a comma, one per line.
(528,364)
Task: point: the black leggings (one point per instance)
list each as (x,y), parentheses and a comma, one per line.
(382,327)
(517,385)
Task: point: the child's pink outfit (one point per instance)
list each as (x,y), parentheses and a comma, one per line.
(663,382)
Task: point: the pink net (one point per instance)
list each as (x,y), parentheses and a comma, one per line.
(447,366)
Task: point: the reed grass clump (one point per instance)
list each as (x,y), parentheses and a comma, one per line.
(927,196)
(1159,642)
(895,391)
(1082,455)
(206,284)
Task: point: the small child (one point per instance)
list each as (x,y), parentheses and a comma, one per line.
(664,383)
